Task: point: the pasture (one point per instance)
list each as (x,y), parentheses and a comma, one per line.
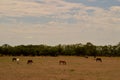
(48,68)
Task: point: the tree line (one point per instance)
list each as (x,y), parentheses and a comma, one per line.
(80,49)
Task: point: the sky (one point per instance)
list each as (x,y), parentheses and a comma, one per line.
(53,22)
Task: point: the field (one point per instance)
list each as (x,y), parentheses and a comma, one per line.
(48,68)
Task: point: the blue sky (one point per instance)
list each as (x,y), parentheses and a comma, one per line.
(55,22)
(98,3)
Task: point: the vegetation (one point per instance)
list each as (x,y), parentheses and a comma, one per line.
(72,50)
(48,68)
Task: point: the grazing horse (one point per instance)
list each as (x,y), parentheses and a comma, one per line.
(86,56)
(17,60)
(98,59)
(29,61)
(14,59)
(62,62)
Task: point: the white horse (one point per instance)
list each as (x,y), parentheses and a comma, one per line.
(17,60)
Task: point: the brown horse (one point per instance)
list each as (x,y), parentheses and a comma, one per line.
(62,62)
(98,59)
(86,56)
(29,61)
(14,59)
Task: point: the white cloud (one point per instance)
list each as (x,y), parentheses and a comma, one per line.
(90,22)
(57,8)
(115,9)
(25,8)
(60,10)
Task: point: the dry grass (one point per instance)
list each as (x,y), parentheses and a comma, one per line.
(48,68)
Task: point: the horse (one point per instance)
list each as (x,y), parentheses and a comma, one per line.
(86,56)
(62,62)
(15,60)
(98,59)
(29,61)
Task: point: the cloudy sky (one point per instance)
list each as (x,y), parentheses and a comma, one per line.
(55,22)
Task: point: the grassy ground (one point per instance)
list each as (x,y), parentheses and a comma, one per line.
(48,68)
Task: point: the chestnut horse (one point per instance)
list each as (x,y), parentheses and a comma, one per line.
(29,61)
(62,62)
